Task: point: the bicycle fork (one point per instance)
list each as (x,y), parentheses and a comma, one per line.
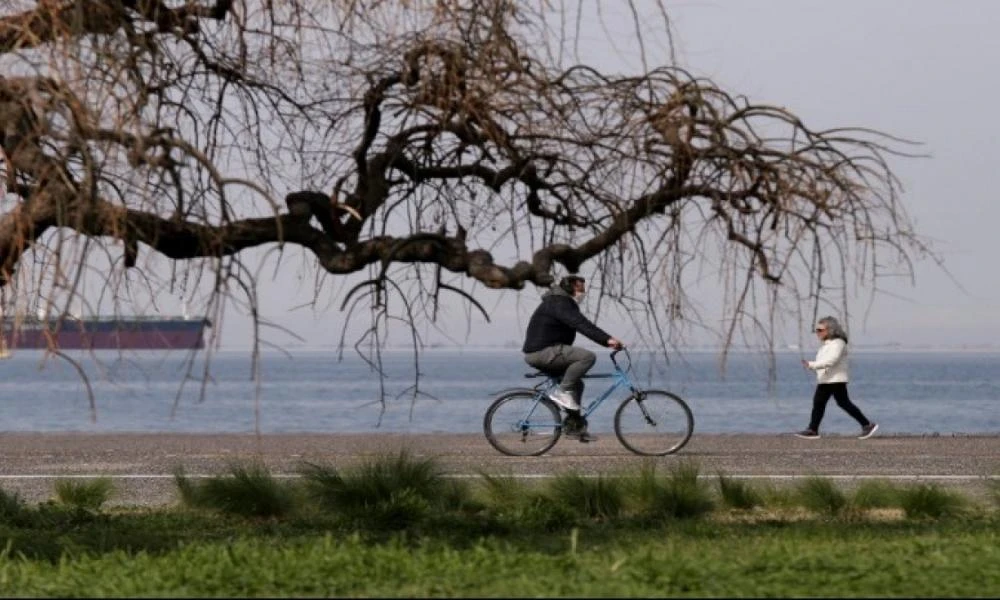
(640,398)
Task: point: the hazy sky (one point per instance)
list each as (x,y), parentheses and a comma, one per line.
(921,70)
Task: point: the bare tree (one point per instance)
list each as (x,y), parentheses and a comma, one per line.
(436,147)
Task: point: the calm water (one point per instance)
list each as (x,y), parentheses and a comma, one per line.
(311,391)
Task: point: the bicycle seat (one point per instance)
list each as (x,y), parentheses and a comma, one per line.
(559,375)
(541,374)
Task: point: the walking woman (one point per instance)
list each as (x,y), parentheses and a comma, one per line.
(831,380)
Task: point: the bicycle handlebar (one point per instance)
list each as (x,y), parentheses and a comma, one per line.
(627,355)
(594,375)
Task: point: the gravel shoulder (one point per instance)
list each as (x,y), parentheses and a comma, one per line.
(142,464)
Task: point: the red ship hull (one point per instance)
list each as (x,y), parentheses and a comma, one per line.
(107,334)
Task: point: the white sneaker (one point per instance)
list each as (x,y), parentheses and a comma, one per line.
(564,399)
(868,430)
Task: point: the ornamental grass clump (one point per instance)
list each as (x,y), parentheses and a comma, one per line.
(994,492)
(929,500)
(514,505)
(876,493)
(678,495)
(11,506)
(247,491)
(599,497)
(738,493)
(501,491)
(821,495)
(387,492)
(84,495)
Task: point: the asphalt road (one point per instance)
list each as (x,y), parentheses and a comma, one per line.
(142,465)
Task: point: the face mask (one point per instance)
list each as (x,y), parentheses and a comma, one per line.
(579,297)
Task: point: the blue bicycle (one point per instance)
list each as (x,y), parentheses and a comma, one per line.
(526,422)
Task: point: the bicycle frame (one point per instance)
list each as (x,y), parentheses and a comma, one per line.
(619,375)
(642,418)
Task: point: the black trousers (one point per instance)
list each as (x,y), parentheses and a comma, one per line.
(839,393)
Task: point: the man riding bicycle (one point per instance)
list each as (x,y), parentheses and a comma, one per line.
(548,344)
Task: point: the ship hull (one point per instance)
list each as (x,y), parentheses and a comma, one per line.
(107,334)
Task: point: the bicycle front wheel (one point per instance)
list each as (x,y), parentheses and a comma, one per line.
(654,423)
(522,424)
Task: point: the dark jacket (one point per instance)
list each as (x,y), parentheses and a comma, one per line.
(556,321)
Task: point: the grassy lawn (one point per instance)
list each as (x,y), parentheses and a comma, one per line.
(397,528)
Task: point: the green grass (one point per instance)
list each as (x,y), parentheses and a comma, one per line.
(395,526)
(682,558)
(84,495)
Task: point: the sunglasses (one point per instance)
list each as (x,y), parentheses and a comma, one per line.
(820,329)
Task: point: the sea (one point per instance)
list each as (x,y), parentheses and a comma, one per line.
(448,390)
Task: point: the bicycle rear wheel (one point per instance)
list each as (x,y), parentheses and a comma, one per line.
(522,424)
(654,423)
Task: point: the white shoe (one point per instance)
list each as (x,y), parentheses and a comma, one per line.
(868,431)
(564,399)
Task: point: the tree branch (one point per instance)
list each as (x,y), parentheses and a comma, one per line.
(51,21)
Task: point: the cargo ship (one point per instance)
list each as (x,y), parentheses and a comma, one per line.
(103,333)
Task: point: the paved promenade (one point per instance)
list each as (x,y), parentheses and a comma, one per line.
(142,464)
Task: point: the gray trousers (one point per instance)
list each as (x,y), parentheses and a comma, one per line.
(569,361)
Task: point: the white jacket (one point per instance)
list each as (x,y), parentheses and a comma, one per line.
(831,362)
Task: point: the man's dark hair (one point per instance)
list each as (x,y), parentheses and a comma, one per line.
(568,283)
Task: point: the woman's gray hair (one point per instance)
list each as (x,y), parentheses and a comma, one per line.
(834,330)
